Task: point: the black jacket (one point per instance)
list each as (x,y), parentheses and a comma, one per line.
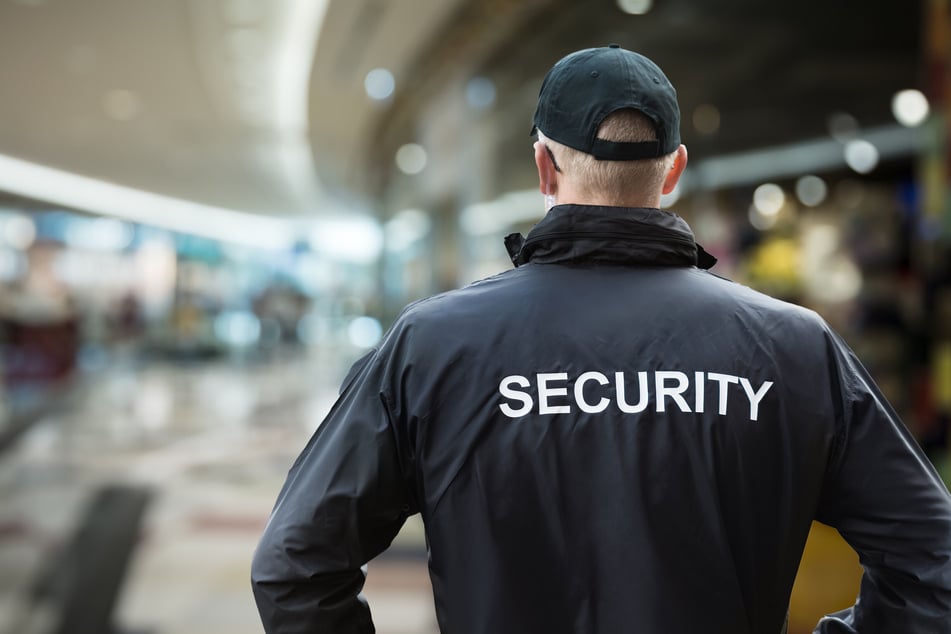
(608,439)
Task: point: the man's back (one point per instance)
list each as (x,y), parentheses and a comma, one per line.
(615,444)
(608,439)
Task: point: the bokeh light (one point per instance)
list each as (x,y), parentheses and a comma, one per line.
(811,190)
(635,7)
(411,158)
(17,231)
(480,93)
(364,332)
(861,156)
(380,84)
(910,107)
(843,126)
(768,199)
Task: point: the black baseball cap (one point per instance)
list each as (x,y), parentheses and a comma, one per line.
(586,86)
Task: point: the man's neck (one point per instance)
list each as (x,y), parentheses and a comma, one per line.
(650,203)
(568,194)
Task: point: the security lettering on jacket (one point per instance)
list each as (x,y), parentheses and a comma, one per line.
(662,388)
(538,422)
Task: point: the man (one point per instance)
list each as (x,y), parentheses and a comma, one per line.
(608,438)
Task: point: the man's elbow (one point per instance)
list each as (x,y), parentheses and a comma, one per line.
(258,569)
(264,574)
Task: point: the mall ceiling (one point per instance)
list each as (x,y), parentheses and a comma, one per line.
(260,106)
(776,72)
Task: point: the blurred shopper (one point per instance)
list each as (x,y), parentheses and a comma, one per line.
(608,438)
(40,326)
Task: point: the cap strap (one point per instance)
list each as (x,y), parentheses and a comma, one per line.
(604,150)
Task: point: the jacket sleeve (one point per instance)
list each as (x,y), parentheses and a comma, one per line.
(887,501)
(344,500)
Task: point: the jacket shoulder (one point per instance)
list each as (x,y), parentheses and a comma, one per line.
(456,302)
(764,305)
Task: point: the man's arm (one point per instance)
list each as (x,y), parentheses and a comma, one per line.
(885,498)
(344,500)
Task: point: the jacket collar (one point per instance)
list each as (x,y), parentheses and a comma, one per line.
(632,236)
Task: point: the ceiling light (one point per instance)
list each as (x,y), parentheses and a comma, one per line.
(635,7)
(289,69)
(480,93)
(411,158)
(379,84)
(811,190)
(73,191)
(769,199)
(861,156)
(910,107)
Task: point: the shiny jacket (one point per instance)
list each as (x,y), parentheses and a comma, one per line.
(608,439)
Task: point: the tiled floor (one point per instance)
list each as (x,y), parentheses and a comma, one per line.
(213,442)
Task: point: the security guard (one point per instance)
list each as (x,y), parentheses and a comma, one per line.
(608,438)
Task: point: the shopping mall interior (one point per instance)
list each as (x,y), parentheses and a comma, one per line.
(210,208)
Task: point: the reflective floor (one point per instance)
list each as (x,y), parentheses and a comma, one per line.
(210,443)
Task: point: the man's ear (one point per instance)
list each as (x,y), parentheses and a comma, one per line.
(547,175)
(676,170)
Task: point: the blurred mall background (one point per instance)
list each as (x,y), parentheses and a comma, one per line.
(209,208)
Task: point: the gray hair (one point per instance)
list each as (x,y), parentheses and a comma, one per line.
(614,181)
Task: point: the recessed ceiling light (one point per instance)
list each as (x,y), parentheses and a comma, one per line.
(910,108)
(635,7)
(379,84)
(411,158)
(480,93)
